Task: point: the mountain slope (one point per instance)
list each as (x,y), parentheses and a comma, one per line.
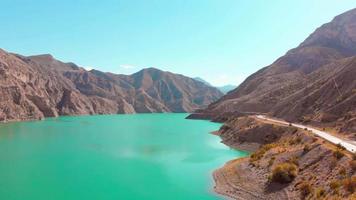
(40,86)
(311,83)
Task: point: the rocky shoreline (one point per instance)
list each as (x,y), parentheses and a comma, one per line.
(322,170)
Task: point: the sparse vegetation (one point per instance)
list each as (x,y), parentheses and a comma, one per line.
(257,155)
(305,189)
(349,184)
(306,148)
(314,139)
(294,160)
(353,165)
(334,186)
(296,140)
(342,171)
(320,192)
(284,172)
(306,119)
(333,163)
(271,161)
(339,146)
(341,98)
(338,154)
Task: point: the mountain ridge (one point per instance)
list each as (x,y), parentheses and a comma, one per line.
(34,87)
(292,87)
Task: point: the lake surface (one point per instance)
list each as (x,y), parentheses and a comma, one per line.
(121,157)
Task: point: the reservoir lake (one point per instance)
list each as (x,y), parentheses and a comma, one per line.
(107,157)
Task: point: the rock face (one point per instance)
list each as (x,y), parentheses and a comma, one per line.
(40,86)
(314,82)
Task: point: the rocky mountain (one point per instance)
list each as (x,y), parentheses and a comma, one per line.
(313,83)
(224,89)
(40,86)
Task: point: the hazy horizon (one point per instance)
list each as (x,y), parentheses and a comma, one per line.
(221,42)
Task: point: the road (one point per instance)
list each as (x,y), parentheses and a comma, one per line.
(348,144)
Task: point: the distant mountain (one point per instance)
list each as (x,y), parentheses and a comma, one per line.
(224,89)
(40,86)
(315,82)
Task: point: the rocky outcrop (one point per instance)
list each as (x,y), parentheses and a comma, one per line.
(313,80)
(35,87)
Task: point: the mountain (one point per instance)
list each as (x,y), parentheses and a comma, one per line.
(40,86)
(202,80)
(224,89)
(313,83)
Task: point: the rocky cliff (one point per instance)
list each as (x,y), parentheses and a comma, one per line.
(35,87)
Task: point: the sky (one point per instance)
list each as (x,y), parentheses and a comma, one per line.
(221,41)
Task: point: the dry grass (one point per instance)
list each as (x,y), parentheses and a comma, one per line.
(257,155)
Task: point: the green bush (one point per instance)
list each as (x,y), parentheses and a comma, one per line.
(284,173)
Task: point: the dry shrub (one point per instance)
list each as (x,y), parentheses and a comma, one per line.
(320,192)
(353,165)
(339,146)
(333,163)
(284,173)
(338,154)
(349,184)
(305,189)
(334,186)
(271,161)
(342,171)
(306,148)
(257,155)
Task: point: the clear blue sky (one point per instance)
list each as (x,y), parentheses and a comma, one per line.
(222,41)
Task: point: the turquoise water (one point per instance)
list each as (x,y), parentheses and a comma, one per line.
(141,156)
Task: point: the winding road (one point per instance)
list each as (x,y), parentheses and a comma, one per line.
(348,144)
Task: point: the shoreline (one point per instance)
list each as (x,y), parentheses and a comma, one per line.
(271,145)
